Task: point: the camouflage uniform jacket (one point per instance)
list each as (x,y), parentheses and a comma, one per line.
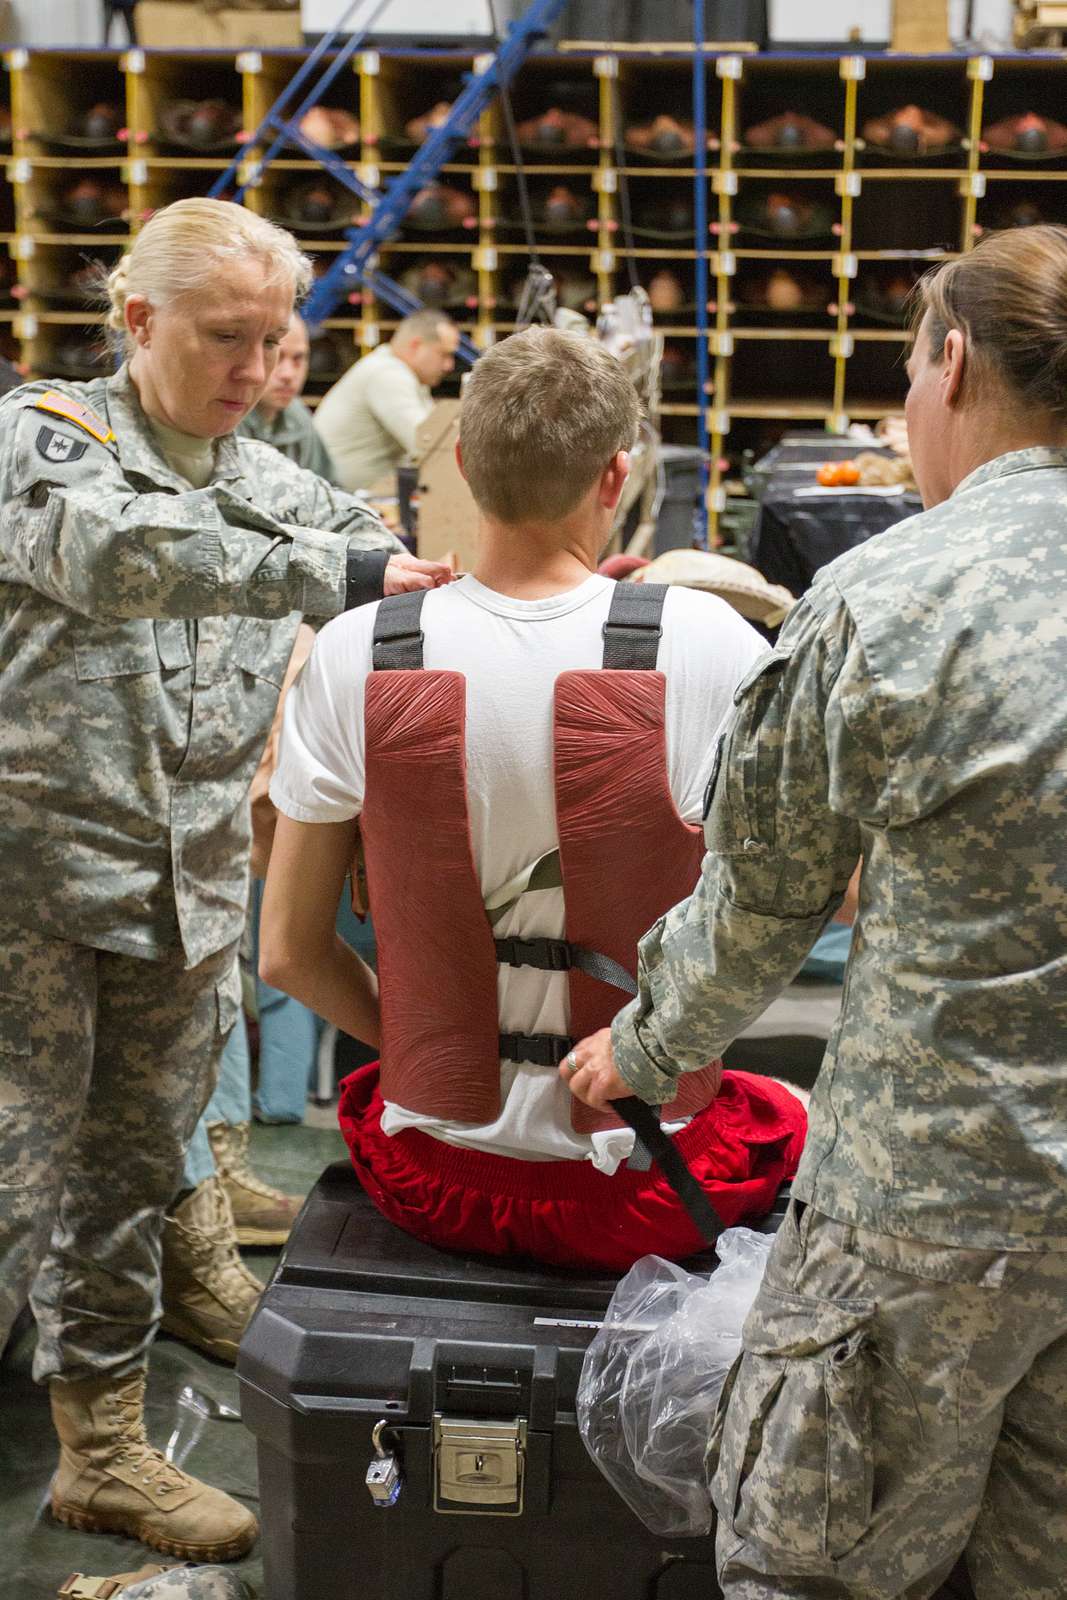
(145,629)
(914,710)
(293,433)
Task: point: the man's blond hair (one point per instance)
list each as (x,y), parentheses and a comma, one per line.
(543,415)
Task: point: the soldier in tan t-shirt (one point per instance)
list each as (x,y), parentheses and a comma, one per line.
(369,419)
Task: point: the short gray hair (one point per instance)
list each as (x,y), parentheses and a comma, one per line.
(425,325)
(543,414)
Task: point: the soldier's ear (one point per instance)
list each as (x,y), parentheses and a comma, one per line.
(953,366)
(137,314)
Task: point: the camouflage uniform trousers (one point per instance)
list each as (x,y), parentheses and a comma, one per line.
(106,1062)
(896,1403)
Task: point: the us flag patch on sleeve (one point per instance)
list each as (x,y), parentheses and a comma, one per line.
(61,405)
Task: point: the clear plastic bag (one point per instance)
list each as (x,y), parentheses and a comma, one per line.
(652,1377)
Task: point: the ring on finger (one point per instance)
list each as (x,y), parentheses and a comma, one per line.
(570,1061)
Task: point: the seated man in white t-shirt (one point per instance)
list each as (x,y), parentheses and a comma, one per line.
(529,794)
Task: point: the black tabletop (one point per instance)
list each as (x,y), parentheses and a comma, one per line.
(796,531)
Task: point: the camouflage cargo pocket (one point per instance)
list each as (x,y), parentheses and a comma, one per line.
(793,1461)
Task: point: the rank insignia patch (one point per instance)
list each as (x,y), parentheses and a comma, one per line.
(58,447)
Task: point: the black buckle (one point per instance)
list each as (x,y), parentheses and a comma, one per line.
(619,630)
(547,955)
(542,1049)
(388,639)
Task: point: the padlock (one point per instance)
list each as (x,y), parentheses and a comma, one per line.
(383,1475)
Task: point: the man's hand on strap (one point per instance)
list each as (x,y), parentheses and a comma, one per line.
(590,1073)
(405,573)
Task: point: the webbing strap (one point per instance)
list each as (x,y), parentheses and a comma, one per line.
(632,631)
(549,1049)
(642,1120)
(397,633)
(559,955)
(544,873)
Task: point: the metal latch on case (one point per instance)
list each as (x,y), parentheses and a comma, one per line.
(479,1466)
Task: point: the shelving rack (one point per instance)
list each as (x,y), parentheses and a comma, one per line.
(837,359)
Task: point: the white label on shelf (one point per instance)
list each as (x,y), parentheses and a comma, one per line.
(725,183)
(839,422)
(606,67)
(133,61)
(18,60)
(603,260)
(138,171)
(370,175)
(980,67)
(484,335)
(19,171)
(844,266)
(722,344)
(842,346)
(974,183)
(717,499)
(727,264)
(370,63)
(249,61)
(606,180)
(485,178)
(24,247)
(850,183)
(26,326)
(853,68)
(370,333)
(485,258)
(482,65)
(729,67)
(719,422)
(249,174)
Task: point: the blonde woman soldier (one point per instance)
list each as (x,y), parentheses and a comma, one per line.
(153,569)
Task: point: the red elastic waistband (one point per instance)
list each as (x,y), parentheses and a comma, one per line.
(575,1180)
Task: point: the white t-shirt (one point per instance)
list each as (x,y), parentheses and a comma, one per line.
(511,653)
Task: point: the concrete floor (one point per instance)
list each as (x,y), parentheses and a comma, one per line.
(38,1554)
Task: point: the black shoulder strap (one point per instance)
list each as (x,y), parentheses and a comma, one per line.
(632,631)
(397,633)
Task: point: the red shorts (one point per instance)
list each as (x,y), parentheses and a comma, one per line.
(742,1148)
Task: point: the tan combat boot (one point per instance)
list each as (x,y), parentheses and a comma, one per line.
(262,1215)
(111,1480)
(209,1294)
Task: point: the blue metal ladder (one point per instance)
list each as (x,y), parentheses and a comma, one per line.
(388,206)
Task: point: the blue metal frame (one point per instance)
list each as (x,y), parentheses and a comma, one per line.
(287,128)
(391,206)
(700,220)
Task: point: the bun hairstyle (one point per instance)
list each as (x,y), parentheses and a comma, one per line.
(1008,296)
(182,247)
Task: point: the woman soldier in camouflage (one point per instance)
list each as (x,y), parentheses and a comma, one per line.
(153,569)
(902,1396)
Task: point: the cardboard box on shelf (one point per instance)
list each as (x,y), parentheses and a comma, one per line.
(920,27)
(176,24)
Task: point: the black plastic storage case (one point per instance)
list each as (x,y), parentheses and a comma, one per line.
(472,1361)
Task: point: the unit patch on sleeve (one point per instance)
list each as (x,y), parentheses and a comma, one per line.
(58,447)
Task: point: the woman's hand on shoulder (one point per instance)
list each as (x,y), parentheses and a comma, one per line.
(406,573)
